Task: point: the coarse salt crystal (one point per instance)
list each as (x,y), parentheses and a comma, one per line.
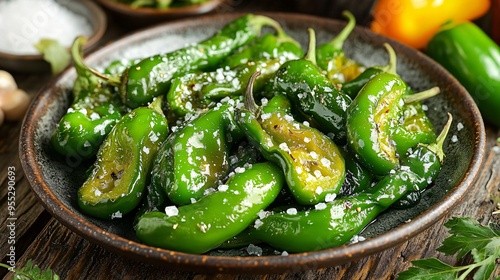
(223,188)
(254,250)
(320,206)
(291,211)
(330,197)
(171,210)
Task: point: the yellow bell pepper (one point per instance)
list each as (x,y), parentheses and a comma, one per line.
(414,22)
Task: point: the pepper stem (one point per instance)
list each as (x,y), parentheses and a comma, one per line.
(338,41)
(391,65)
(282,36)
(249,101)
(410,98)
(259,21)
(311,52)
(77,51)
(156,104)
(437,147)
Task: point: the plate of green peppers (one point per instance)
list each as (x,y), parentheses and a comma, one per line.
(251,143)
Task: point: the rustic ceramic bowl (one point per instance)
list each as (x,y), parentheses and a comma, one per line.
(140,17)
(36,63)
(56,180)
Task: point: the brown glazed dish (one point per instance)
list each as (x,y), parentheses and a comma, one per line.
(55,180)
(140,17)
(36,63)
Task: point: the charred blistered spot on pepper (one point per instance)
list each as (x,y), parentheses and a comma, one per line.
(121,171)
(311,161)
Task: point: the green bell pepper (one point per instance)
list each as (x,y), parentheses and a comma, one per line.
(470,55)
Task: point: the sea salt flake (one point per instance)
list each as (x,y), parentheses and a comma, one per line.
(320,206)
(171,211)
(223,188)
(291,211)
(254,250)
(330,197)
(116,215)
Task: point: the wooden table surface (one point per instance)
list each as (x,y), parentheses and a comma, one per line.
(49,244)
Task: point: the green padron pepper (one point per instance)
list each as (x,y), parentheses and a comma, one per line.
(335,223)
(124,161)
(195,157)
(374,115)
(312,93)
(205,224)
(353,86)
(474,59)
(195,92)
(94,111)
(268,46)
(152,76)
(311,161)
(332,58)
(414,125)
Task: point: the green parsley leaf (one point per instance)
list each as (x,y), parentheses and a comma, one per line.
(31,272)
(467,236)
(54,53)
(429,269)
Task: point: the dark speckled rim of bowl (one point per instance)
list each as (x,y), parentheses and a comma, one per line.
(145,16)
(36,63)
(264,264)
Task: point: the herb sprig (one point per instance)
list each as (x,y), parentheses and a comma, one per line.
(467,236)
(32,272)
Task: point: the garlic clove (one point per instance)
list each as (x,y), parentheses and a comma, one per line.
(14,104)
(7,81)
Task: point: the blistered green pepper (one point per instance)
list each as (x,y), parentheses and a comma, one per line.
(220,215)
(124,161)
(310,160)
(268,46)
(357,177)
(95,109)
(332,58)
(195,92)
(152,76)
(336,223)
(312,94)
(353,86)
(372,118)
(415,127)
(195,157)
